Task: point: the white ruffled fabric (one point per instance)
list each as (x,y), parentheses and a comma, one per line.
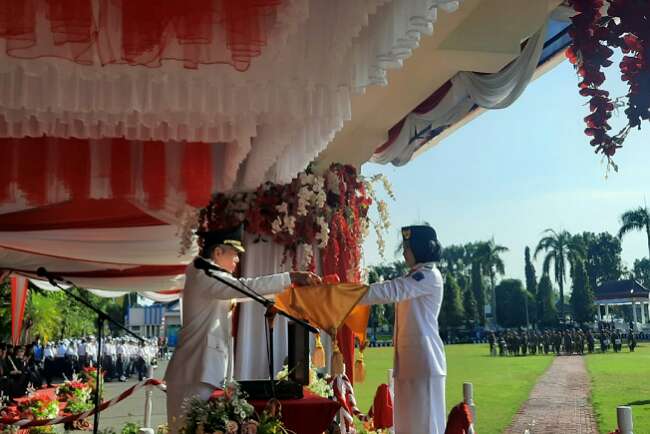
(489,91)
(277,116)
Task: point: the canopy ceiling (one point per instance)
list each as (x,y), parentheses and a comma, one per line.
(107,161)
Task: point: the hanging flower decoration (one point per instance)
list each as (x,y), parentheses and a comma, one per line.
(626,27)
(328,212)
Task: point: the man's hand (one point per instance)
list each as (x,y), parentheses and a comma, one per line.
(304,278)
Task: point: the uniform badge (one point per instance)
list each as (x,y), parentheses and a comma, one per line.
(417,276)
(406,234)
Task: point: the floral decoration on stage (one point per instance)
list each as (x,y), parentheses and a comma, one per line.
(230,413)
(39,405)
(326,211)
(77,397)
(318,384)
(626,26)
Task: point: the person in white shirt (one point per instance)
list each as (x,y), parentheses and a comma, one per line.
(70,360)
(419,365)
(91,351)
(49,367)
(82,353)
(199,363)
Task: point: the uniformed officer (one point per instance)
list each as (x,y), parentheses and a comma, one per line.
(419,365)
(201,358)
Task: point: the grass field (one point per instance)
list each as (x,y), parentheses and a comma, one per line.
(501,384)
(621,379)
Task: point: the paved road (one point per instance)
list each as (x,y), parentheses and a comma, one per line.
(559,402)
(132,408)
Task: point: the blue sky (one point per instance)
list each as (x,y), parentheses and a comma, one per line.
(512,173)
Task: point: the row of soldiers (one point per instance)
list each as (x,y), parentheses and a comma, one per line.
(39,364)
(567,342)
(121,357)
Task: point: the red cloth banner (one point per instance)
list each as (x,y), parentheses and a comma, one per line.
(19,288)
(48,170)
(143,32)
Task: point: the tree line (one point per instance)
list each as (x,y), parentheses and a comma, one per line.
(52,315)
(581,262)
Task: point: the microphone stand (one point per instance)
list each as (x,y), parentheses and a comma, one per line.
(270,313)
(102,317)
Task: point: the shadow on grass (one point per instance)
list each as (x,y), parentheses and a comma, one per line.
(645,402)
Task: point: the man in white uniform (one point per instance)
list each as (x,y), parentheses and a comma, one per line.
(200,360)
(419,366)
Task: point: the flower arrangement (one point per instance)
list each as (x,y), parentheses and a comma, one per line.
(318,384)
(625,26)
(326,211)
(231,414)
(39,405)
(89,377)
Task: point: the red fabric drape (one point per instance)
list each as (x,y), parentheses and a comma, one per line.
(73,167)
(19,287)
(382,408)
(153,173)
(459,420)
(121,174)
(49,170)
(78,214)
(196,173)
(31,173)
(149,31)
(7,157)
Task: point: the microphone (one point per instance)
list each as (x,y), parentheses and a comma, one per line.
(42,272)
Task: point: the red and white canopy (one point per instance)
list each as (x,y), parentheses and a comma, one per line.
(118,119)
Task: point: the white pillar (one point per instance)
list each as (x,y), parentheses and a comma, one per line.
(148,401)
(643,303)
(607,311)
(600,316)
(468,398)
(624,417)
(634,312)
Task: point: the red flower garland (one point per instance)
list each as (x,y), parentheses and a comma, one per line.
(626,26)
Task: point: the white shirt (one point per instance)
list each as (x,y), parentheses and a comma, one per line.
(419,351)
(202,352)
(61,350)
(49,352)
(81,350)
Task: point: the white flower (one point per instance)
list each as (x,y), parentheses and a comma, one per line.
(289,223)
(276,226)
(283,208)
(308,254)
(323,234)
(321,199)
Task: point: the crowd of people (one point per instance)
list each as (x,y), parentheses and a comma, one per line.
(38,364)
(559,342)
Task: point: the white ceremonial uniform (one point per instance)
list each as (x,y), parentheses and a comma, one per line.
(419,366)
(200,360)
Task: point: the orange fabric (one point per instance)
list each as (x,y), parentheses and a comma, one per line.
(357,321)
(324,306)
(459,420)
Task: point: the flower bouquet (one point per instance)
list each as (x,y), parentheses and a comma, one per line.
(89,377)
(318,384)
(39,405)
(231,414)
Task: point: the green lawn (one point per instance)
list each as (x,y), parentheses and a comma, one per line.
(501,384)
(621,379)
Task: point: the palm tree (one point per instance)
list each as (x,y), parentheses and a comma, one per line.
(636,220)
(487,254)
(560,247)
